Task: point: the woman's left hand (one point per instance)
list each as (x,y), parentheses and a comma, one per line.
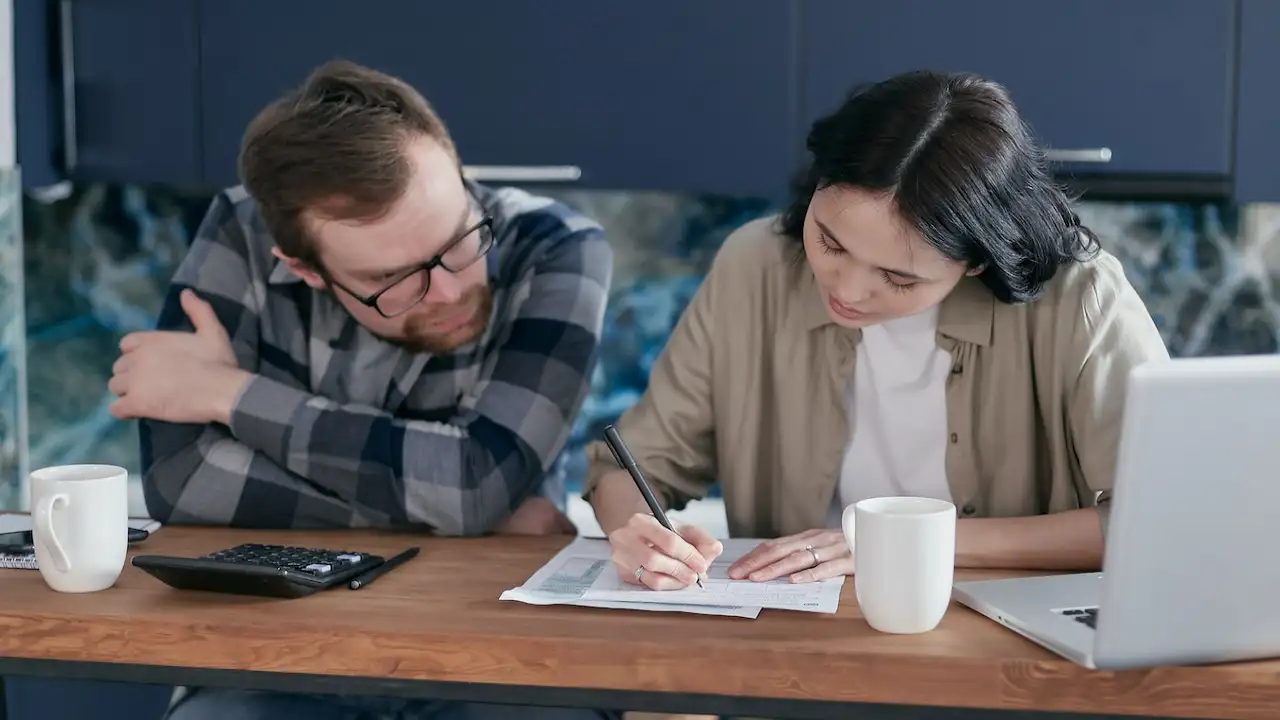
(808,557)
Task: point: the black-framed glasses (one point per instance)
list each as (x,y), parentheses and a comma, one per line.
(408,289)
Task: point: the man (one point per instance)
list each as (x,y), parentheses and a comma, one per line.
(359,337)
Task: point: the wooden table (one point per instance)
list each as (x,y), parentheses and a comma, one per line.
(435,628)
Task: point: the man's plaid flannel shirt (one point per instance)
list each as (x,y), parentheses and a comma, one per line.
(341,429)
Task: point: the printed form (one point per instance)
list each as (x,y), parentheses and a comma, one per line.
(569,576)
(582,574)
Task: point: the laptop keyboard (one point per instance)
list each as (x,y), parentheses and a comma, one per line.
(1086,616)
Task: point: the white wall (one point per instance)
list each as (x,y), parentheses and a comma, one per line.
(8,134)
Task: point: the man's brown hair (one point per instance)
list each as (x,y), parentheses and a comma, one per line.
(336,145)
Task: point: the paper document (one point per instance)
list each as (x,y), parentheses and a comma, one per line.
(780,594)
(22,523)
(582,574)
(569,575)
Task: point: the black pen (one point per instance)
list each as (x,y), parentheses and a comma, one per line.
(628,463)
(382,569)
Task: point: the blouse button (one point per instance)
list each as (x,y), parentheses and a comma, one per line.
(969,509)
(954,438)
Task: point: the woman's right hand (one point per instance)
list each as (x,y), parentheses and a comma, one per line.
(645,553)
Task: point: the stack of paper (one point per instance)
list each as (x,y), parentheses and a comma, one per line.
(14,522)
(582,574)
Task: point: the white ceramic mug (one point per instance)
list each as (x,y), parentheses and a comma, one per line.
(80,524)
(904,558)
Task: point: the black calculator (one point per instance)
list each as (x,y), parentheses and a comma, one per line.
(268,570)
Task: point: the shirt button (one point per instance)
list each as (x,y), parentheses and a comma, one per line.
(954,438)
(969,509)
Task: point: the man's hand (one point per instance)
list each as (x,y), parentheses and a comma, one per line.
(178,377)
(537,516)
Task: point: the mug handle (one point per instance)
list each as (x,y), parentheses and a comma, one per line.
(846,524)
(43,526)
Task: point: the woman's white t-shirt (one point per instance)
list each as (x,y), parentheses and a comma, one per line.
(896,404)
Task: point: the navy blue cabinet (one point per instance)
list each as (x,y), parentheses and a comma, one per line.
(1150,81)
(39,698)
(37,103)
(106,90)
(665,94)
(1258,130)
(134,114)
(710,96)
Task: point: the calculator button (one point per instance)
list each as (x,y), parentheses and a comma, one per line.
(320,563)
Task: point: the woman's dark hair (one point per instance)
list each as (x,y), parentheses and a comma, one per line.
(963,170)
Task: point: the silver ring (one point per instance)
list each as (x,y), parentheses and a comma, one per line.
(639,572)
(814,553)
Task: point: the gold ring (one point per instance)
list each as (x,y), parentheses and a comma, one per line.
(814,553)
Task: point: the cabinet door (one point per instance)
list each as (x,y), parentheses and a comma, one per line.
(135,91)
(1149,80)
(661,94)
(1258,113)
(37,114)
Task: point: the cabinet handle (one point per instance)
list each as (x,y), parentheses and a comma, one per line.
(1084,155)
(522,173)
(67,59)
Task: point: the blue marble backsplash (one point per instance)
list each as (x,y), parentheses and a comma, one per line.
(97,262)
(13,343)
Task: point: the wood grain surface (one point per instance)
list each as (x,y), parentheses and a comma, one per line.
(439,618)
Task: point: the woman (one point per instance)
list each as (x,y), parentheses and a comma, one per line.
(927,318)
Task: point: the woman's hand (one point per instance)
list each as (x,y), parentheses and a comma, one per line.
(808,557)
(645,553)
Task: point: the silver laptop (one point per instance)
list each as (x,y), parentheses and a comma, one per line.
(1189,574)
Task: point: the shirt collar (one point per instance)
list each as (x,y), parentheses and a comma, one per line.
(967,314)
(281,274)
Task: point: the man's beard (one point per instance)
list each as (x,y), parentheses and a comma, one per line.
(420,337)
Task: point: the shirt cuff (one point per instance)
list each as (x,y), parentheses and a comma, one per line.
(1102,502)
(263,416)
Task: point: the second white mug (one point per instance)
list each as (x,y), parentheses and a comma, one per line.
(904,557)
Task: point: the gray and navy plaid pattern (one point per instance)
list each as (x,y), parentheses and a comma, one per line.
(341,429)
